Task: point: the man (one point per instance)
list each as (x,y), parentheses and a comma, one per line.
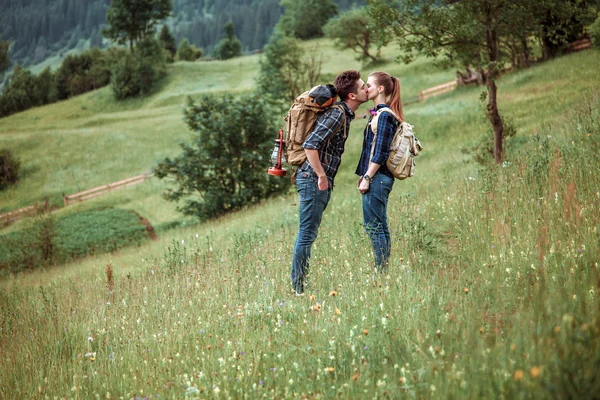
(314,180)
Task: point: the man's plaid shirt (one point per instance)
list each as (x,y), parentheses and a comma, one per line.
(327,141)
(386,128)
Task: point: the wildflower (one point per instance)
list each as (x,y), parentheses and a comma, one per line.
(535,372)
(466,290)
(338,312)
(402,380)
(333,293)
(330,370)
(518,375)
(365,332)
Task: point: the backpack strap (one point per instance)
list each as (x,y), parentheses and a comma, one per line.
(374,122)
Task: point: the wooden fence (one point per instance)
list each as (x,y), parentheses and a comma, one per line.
(437,90)
(100,190)
(580,44)
(12,216)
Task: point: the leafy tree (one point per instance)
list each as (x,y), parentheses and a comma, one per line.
(287,69)
(188,52)
(9,168)
(350,30)
(224,168)
(594,30)
(4,61)
(229,46)
(305,19)
(130,21)
(561,22)
(468,32)
(168,41)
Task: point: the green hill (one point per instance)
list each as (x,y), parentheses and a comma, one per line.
(492,290)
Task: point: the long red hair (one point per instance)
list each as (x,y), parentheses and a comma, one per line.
(391,89)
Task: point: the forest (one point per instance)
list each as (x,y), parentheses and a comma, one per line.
(38,29)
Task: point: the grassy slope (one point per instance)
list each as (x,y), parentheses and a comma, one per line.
(243,259)
(91,140)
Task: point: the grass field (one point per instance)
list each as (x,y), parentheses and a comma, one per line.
(493,284)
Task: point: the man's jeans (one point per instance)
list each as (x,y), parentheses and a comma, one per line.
(312,204)
(374,203)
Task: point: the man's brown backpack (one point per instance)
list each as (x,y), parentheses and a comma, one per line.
(301,118)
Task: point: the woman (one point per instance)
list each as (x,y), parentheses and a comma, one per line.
(376,181)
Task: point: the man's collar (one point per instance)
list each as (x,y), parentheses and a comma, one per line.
(347,108)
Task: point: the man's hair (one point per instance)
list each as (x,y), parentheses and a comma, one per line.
(346,83)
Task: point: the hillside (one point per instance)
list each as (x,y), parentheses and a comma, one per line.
(92,140)
(493,283)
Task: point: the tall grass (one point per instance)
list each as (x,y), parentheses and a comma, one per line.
(492,291)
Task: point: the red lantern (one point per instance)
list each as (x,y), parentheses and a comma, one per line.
(277,157)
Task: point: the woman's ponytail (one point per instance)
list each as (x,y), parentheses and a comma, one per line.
(395,101)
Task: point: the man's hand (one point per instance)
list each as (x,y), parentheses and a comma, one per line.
(363,185)
(323,182)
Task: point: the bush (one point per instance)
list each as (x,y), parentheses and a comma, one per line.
(80,73)
(594,31)
(188,52)
(9,169)
(137,73)
(52,240)
(225,168)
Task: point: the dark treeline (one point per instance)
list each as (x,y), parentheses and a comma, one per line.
(39,29)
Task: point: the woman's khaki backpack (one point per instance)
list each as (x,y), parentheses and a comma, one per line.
(404,147)
(301,119)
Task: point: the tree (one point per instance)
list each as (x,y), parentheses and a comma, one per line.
(350,30)
(130,21)
(4,61)
(224,168)
(467,32)
(229,46)
(305,19)
(287,69)
(168,41)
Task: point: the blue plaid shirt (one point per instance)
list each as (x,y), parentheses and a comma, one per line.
(386,127)
(329,145)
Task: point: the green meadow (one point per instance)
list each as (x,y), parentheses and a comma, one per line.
(492,290)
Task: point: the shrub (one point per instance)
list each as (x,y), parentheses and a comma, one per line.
(9,168)
(188,52)
(225,167)
(80,73)
(137,73)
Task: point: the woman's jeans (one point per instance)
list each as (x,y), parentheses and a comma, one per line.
(374,203)
(312,204)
